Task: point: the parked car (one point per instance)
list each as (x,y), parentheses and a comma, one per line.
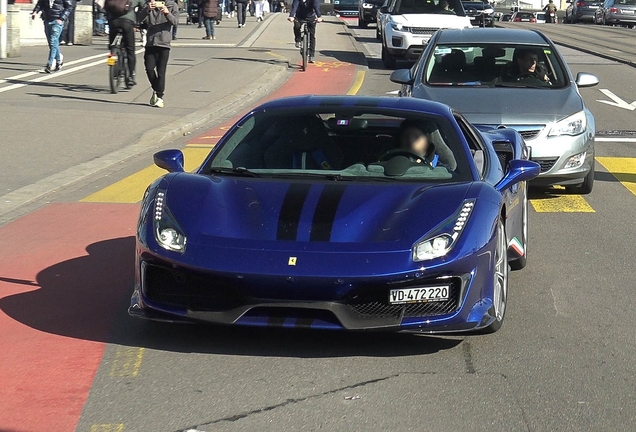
(411,23)
(581,10)
(368,11)
(477,72)
(506,17)
(481,13)
(380,18)
(318,212)
(345,8)
(524,17)
(617,12)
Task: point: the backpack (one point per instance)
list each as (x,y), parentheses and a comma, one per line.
(117,8)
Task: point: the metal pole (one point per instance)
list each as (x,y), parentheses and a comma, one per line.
(3,28)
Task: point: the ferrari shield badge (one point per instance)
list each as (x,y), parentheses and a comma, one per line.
(292,261)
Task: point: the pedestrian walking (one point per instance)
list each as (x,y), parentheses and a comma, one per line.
(258,5)
(161,16)
(200,12)
(210,15)
(54,13)
(68,34)
(241,12)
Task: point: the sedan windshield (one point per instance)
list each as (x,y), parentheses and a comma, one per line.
(347,145)
(495,65)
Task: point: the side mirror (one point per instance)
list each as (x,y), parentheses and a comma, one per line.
(384,9)
(402,76)
(584,79)
(170,160)
(518,170)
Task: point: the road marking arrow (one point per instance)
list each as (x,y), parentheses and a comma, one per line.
(617,102)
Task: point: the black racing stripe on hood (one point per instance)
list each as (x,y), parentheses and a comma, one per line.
(290,211)
(328,203)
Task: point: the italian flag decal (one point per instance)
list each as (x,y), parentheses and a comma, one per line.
(516,245)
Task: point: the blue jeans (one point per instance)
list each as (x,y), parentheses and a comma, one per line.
(53,31)
(209,26)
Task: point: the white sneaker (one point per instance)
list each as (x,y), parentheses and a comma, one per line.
(59,65)
(153,99)
(159,103)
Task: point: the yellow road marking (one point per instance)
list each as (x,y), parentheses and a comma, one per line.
(108,427)
(357,83)
(127,362)
(196,145)
(624,169)
(131,189)
(561,203)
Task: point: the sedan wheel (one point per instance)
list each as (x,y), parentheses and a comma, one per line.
(500,280)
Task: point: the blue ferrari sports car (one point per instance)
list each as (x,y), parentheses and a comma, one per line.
(356,213)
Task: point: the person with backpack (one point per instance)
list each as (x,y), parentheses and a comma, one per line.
(122,17)
(161,16)
(54,13)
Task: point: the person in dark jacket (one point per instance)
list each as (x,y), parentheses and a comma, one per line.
(54,13)
(161,18)
(68,34)
(241,12)
(306,10)
(210,15)
(126,24)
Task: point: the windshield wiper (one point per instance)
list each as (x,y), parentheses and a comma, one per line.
(233,171)
(517,85)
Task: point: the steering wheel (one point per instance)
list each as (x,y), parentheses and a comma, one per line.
(414,157)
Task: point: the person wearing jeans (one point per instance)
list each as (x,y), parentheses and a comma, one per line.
(161,19)
(241,12)
(210,12)
(54,13)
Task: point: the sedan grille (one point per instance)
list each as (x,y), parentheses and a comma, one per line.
(546,164)
(374,303)
(530,134)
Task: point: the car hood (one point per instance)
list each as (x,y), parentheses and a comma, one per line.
(330,216)
(432,20)
(501,106)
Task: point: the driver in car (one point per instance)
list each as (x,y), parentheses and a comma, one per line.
(412,138)
(526,65)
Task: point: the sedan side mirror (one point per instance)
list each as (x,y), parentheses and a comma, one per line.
(518,170)
(402,76)
(584,79)
(170,160)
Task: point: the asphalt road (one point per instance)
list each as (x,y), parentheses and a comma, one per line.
(562,361)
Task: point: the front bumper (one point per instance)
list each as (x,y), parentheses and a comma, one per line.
(405,45)
(166,292)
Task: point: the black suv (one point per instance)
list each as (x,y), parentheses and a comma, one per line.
(368,11)
(481,13)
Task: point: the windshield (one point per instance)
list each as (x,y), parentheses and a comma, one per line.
(495,65)
(345,2)
(351,144)
(450,7)
(626,2)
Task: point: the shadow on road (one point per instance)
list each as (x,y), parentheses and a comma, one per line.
(87,297)
(346,56)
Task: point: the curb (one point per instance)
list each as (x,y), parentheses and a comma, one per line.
(150,139)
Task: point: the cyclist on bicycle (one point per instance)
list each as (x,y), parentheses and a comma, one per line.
(309,11)
(124,22)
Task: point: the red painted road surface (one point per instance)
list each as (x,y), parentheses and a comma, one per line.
(66,272)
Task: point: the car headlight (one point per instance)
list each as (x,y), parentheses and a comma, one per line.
(445,236)
(400,27)
(168,233)
(572,125)
(489,11)
(367,5)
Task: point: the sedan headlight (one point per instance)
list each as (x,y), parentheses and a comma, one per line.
(168,233)
(573,125)
(367,5)
(445,236)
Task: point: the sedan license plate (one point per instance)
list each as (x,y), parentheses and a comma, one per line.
(111,61)
(419,295)
(627,11)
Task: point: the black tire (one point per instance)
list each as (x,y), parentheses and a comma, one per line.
(387,59)
(584,188)
(521,262)
(500,282)
(114,77)
(304,51)
(378,35)
(362,23)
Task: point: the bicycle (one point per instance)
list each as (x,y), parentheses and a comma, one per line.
(117,61)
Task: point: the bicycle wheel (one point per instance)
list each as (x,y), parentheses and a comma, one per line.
(305,49)
(114,71)
(126,74)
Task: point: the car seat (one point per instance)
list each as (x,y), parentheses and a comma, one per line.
(304,144)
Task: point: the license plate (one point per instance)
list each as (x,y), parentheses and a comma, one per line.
(628,11)
(111,61)
(419,295)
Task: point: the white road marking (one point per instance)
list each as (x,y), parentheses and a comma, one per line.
(602,139)
(393,92)
(63,72)
(616,101)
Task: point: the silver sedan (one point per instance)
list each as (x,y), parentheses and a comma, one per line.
(509,78)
